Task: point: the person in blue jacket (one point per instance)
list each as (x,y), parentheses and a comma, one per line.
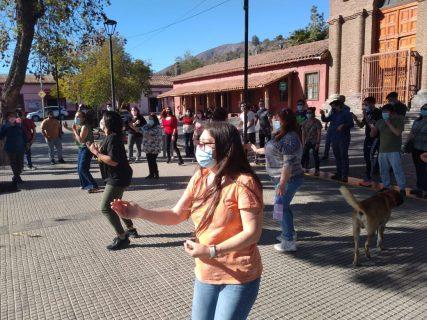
(341,121)
(14,145)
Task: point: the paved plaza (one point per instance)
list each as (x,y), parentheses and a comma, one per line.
(54,265)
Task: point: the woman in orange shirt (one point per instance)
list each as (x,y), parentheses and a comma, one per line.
(224,200)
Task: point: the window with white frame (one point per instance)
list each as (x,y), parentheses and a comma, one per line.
(312,86)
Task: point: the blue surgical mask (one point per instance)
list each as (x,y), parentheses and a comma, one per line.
(386,115)
(77,121)
(276,125)
(205,158)
(151,123)
(366,108)
(299,107)
(424,112)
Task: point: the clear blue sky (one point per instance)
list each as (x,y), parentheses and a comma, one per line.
(221,25)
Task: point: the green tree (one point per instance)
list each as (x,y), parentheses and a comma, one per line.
(255,41)
(188,62)
(316,30)
(34,28)
(91,83)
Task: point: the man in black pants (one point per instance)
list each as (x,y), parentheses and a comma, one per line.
(14,145)
(371,145)
(264,116)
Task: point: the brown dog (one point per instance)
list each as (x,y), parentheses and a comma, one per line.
(372,214)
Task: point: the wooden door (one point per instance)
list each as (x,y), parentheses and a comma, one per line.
(398,28)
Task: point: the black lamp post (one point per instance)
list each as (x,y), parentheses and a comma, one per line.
(245,73)
(110,28)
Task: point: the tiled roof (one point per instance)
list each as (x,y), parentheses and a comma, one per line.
(30,79)
(309,51)
(158,80)
(257,80)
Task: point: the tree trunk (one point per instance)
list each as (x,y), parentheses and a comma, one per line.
(27,14)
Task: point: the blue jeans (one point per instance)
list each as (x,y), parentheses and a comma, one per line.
(394,160)
(83,168)
(223,302)
(288,217)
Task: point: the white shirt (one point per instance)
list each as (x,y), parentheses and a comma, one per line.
(251,117)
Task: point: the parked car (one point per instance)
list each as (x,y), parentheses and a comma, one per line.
(38,115)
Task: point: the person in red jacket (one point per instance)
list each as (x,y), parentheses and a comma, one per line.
(170,127)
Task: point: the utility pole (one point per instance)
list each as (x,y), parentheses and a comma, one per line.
(245,73)
(57,93)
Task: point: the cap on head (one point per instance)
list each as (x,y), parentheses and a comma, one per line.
(333,99)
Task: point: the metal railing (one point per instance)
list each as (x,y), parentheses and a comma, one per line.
(398,71)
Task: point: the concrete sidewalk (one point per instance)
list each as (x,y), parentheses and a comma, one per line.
(54,265)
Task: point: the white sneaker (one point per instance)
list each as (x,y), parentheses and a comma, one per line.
(280,237)
(286,246)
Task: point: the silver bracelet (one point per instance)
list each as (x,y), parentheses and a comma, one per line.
(212,251)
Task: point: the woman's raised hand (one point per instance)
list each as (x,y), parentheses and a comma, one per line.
(125,209)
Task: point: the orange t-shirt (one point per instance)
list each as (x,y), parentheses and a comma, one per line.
(234,267)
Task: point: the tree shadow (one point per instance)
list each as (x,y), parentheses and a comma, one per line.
(172,244)
(168,235)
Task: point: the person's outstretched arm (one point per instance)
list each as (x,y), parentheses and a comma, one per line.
(179,213)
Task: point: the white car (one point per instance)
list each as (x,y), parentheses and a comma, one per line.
(38,115)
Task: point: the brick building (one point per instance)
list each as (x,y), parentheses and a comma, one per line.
(377,47)
(280,77)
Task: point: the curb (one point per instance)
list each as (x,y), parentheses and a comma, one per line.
(352,181)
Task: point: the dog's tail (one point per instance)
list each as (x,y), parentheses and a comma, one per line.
(349,197)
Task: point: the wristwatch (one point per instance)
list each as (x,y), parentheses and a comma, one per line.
(212,251)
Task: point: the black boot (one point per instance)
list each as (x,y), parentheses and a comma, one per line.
(119,244)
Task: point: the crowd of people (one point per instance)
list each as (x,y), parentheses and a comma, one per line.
(224,198)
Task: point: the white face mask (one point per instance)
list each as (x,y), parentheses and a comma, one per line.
(276,125)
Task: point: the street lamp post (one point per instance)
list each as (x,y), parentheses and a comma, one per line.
(110,28)
(245,73)
(58,101)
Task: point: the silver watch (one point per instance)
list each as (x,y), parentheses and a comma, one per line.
(212,251)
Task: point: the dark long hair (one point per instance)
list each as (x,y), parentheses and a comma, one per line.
(113,122)
(82,116)
(288,123)
(153,117)
(231,161)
